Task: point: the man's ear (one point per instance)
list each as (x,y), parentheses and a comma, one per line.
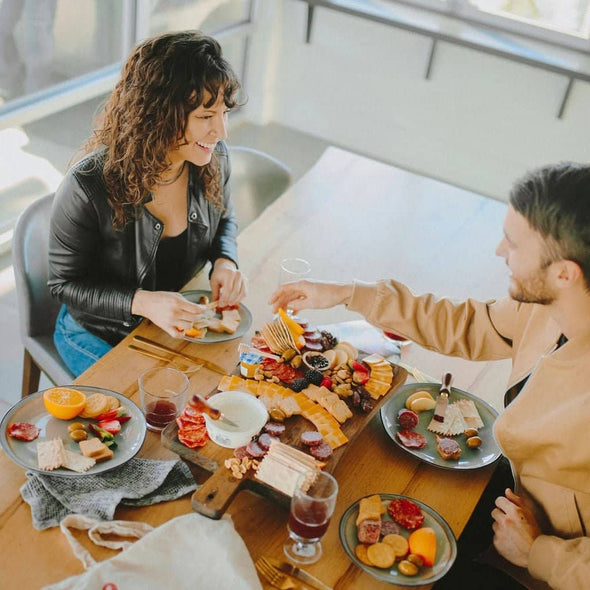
(567,273)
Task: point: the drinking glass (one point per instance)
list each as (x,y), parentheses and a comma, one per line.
(293,269)
(312,506)
(162,391)
(396,338)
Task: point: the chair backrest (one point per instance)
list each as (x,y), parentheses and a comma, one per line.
(257,179)
(30,257)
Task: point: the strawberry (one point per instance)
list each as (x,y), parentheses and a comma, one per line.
(326,382)
(111,426)
(356,366)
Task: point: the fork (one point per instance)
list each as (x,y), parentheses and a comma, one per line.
(243,347)
(273,576)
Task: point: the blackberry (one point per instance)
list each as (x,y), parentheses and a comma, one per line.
(299,384)
(328,340)
(315,377)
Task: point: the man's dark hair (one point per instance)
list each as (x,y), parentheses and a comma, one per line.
(555,200)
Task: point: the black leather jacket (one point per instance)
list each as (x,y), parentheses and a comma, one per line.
(95,269)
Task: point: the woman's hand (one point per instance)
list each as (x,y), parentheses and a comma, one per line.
(170,311)
(305,294)
(515,528)
(228,285)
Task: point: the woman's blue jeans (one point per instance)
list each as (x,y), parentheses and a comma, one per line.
(78,348)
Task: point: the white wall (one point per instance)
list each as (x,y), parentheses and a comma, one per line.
(479,122)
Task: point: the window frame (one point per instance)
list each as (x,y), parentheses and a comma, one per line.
(463,10)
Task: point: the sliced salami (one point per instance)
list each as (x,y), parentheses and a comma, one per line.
(321,452)
(254,450)
(411,439)
(275,428)
(23,431)
(407,419)
(388,527)
(406,513)
(240,452)
(283,371)
(311,438)
(265,440)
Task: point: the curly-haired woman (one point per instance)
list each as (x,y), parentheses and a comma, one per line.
(150,203)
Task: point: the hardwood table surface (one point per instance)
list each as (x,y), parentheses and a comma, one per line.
(351,217)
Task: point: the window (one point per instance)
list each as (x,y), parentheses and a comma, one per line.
(563,22)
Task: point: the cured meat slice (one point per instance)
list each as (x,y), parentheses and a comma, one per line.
(312,438)
(406,513)
(411,439)
(240,452)
(368,531)
(254,450)
(407,419)
(192,432)
(265,440)
(321,452)
(448,448)
(23,431)
(388,527)
(283,371)
(275,428)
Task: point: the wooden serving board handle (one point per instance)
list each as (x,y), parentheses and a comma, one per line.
(216,494)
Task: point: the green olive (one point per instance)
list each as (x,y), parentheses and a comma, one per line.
(76,426)
(296,361)
(407,568)
(471,432)
(277,414)
(473,442)
(415,559)
(78,435)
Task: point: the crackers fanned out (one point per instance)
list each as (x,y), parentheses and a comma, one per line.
(459,416)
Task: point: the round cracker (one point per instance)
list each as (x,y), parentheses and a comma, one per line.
(331,356)
(96,404)
(381,555)
(361,552)
(398,543)
(114,402)
(350,350)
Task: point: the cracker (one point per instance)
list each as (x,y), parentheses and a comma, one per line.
(470,414)
(398,543)
(50,454)
(96,404)
(381,555)
(114,402)
(361,552)
(77,462)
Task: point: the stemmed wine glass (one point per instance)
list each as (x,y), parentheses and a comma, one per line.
(312,506)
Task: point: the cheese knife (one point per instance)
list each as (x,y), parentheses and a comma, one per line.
(442,401)
(193,359)
(201,405)
(299,574)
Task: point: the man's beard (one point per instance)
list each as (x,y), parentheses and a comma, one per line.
(533,289)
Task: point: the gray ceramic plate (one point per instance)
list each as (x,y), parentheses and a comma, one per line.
(487,453)
(31,409)
(446,546)
(210,336)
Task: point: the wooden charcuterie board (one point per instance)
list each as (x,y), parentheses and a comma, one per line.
(220,488)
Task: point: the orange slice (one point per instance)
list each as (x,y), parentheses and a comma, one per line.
(63,402)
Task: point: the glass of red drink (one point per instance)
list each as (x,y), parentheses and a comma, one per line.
(396,337)
(312,506)
(162,391)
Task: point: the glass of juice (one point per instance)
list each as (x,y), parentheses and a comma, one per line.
(162,391)
(312,506)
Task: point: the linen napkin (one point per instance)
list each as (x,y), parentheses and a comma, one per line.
(139,482)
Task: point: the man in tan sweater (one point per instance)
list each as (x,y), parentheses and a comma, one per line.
(541,528)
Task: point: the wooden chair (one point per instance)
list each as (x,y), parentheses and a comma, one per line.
(37,309)
(257,179)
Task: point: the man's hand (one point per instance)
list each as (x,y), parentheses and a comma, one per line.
(170,311)
(228,285)
(515,528)
(305,294)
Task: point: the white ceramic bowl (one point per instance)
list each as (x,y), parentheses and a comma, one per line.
(245,409)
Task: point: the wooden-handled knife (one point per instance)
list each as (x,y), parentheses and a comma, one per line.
(442,401)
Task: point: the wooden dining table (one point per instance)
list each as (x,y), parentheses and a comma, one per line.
(351,217)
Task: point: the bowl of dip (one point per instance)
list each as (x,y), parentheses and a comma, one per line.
(245,409)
